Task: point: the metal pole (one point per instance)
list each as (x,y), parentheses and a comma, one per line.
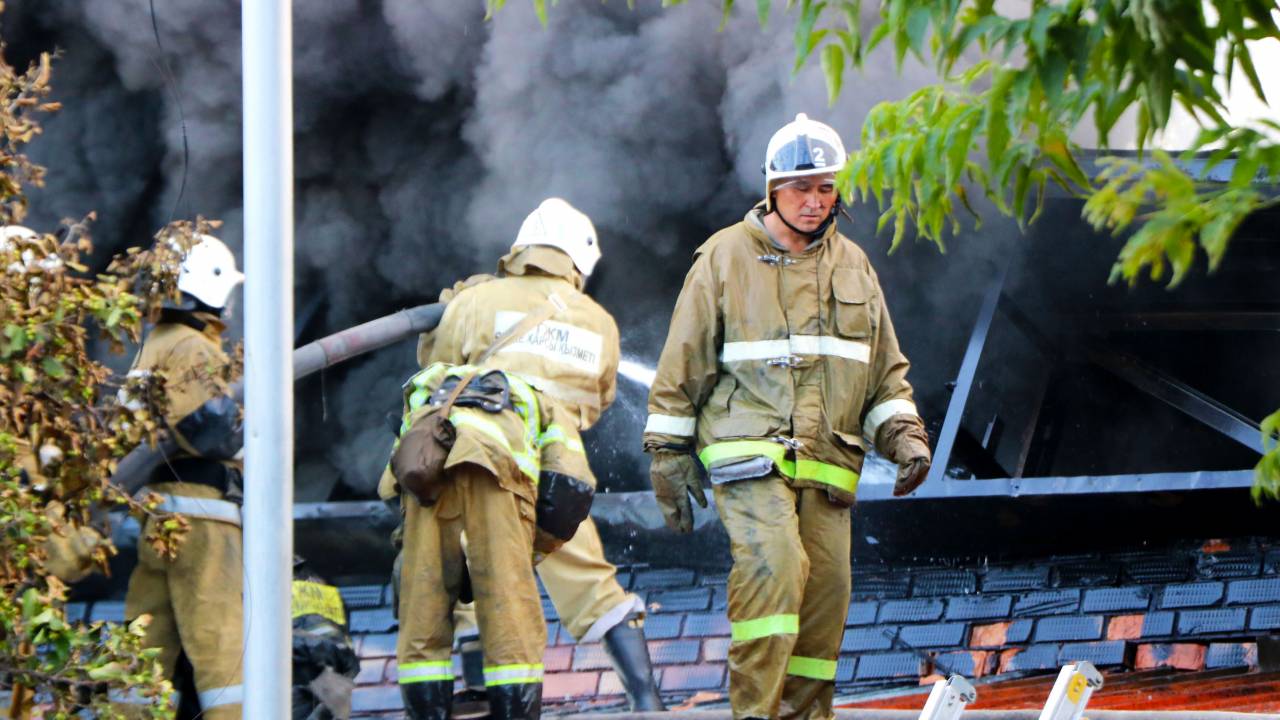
(268,242)
(964,382)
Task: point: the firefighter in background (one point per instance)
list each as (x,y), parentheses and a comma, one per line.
(582,584)
(517,455)
(194,600)
(324,663)
(780,369)
(69,550)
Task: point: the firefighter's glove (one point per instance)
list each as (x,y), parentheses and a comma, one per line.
(911,475)
(675,477)
(213,430)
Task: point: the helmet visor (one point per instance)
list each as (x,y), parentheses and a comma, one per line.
(803,153)
(823,184)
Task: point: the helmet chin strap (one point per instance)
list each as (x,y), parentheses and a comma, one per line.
(816,232)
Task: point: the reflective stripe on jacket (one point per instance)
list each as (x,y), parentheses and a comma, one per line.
(516,445)
(789,356)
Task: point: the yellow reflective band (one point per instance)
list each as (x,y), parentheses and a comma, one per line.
(425,377)
(528,464)
(716,452)
(512,674)
(488,427)
(811,668)
(748,630)
(555,433)
(846,480)
(434,671)
(826,473)
(311,598)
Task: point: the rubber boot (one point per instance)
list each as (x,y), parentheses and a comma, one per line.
(472,702)
(519,701)
(431,700)
(630,656)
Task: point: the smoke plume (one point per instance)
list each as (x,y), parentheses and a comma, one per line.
(424,134)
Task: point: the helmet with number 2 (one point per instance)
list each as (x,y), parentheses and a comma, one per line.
(801,147)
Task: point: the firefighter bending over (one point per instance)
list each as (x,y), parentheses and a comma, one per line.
(515,479)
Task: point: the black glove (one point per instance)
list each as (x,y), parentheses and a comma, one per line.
(213,430)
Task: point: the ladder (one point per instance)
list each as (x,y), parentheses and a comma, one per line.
(948,699)
(1067,701)
(1076,684)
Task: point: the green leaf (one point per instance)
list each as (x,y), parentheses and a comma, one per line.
(17,336)
(1059,153)
(107,672)
(1250,72)
(31,604)
(540,9)
(1159,87)
(1215,235)
(877,36)
(762,11)
(917,26)
(1022,183)
(1038,37)
(52,367)
(833,69)
(26,373)
(726,10)
(806,39)
(1245,171)
(1053,76)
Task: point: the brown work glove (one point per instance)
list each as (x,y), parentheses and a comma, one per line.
(675,477)
(902,438)
(911,475)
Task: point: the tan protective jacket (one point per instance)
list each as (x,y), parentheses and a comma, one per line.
(570,359)
(190,360)
(790,357)
(69,548)
(574,358)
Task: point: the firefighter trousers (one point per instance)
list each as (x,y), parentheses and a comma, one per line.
(195,601)
(788,595)
(499,527)
(583,587)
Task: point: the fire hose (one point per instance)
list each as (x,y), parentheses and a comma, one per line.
(135,469)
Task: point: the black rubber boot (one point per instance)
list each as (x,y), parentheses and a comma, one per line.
(520,701)
(472,702)
(431,700)
(630,655)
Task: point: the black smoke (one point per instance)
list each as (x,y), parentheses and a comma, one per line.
(424,134)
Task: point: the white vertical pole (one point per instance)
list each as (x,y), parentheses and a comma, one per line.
(268,242)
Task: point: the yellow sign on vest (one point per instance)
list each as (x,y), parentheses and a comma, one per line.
(311,598)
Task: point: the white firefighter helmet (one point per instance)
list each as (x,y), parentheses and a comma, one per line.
(802,147)
(558,224)
(9,233)
(209,272)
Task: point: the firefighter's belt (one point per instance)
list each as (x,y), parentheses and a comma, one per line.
(490,392)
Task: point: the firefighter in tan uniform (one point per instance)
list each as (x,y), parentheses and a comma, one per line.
(780,370)
(582,584)
(194,600)
(498,479)
(69,550)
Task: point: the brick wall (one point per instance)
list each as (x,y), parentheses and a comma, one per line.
(1188,607)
